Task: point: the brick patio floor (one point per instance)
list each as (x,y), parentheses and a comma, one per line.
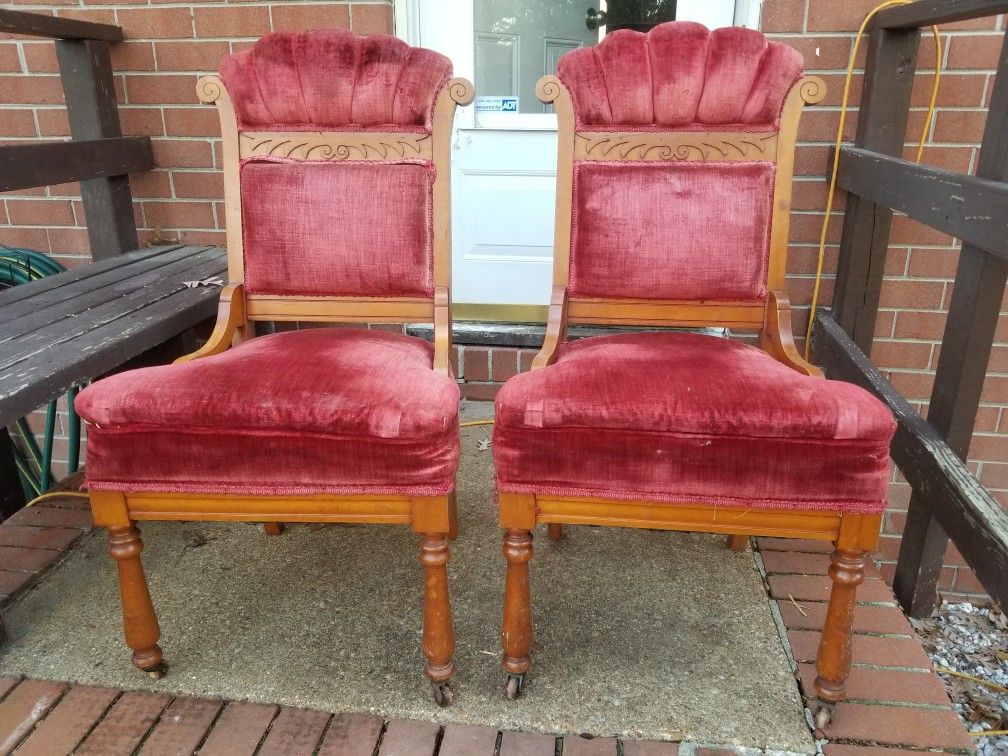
(896,705)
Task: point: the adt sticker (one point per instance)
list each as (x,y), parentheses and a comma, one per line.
(496,104)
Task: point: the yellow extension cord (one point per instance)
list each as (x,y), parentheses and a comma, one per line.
(839,141)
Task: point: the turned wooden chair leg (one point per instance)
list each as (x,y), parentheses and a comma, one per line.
(833,661)
(273,528)
(516,633)
(738,542)
(438,635)
(555,531)
(140,624)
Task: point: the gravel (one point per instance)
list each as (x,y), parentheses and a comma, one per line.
(972,640)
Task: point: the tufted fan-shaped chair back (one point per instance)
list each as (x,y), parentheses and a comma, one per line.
(335,165)
(675,166)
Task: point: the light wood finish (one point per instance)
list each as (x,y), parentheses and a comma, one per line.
(713,146)
(854,534)
(140,624)
(434,517)
(438,636)
(738,542)
(335,146)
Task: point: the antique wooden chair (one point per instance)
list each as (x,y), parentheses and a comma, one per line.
(673,194)
(336,179)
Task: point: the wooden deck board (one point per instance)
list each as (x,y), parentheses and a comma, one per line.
(80,324)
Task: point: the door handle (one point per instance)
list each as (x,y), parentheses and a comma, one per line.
(595,18)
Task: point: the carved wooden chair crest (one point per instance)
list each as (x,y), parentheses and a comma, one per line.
(673,194)
(336,169)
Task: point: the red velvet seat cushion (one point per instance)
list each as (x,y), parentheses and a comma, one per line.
(685,418)
(324,410)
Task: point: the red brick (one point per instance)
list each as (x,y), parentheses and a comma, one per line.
(238,729)
(868,618)
(251,21)
(794,544)
(975,51)
(190,56)
(868,649)
(480,392)
(960,125)
(195,121)
(175,214)
(18,559)
(17,123)
(156,23)
(150,185)
(9,60)
(815,588)
(358,734)
(70,720)
(182,153)
(23,707)
(181,727)
(51,517)
(198,185)
(295,732)
(160,89)
(40,212)
(899,725)
(649,748)
(795,562)
(783,16)
(505,364)
(126,723)
(476,364)
(911,295)
(304,16)
(838,749)
(827,15)
(132,55)
(371,18)
(40,57)
(575,745)
(142,120)
(37,538)
(409,736)
(885,686)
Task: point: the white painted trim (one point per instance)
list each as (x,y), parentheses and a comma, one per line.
(749,13)
(406,18)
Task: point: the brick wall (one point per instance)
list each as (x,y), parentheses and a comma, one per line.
(169,44)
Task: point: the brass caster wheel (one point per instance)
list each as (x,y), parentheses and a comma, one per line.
(514,685)
(824,714)
(443,694)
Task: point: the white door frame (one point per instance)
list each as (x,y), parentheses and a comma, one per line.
(407,17)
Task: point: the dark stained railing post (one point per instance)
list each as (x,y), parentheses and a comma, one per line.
(947,500)
(89,87)
(962,366)
(882,121)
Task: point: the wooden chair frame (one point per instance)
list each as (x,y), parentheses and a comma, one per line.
(854,535)
(432,517)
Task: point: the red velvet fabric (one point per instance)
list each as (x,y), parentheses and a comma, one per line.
(330,79)
(680,75)
(684,418)
(682,230)
(324,410)
(338,228)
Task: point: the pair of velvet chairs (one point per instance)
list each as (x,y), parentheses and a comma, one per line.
(673,194)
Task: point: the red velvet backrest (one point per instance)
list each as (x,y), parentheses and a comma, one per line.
(320,218)
(676,225)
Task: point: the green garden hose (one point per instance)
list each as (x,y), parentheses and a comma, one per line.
(17,266)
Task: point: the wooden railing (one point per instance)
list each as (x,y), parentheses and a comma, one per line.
(99,156)
(947,500)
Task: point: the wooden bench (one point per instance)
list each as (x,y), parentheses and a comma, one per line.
(74,326)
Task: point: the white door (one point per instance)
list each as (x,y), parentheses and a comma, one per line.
(504,146)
